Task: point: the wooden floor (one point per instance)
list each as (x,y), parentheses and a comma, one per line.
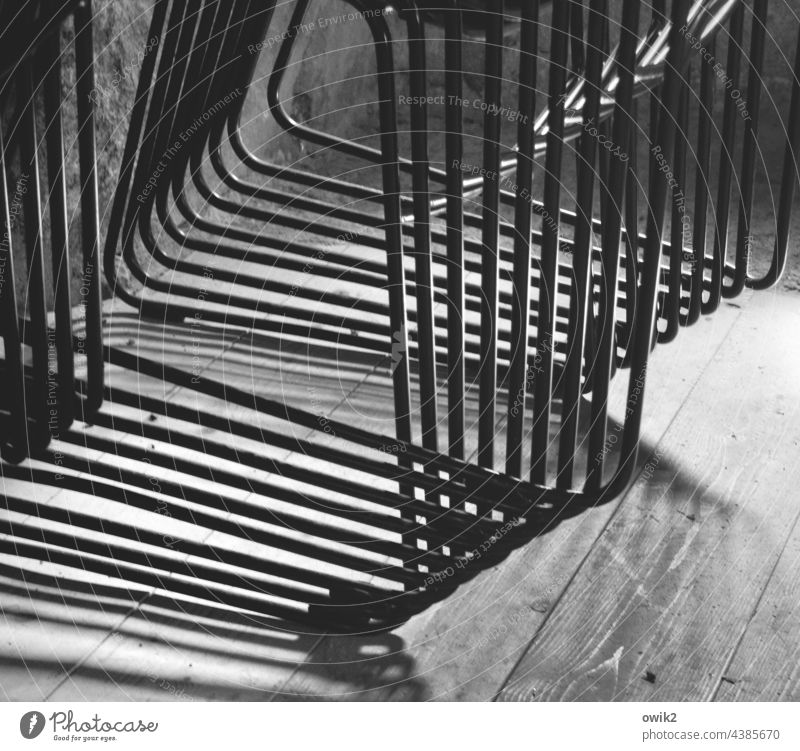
(685,588)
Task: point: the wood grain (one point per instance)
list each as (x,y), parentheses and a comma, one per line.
(464,648)
(766,664)
(662,600)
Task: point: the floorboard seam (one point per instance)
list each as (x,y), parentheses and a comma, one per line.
(94,649)
(716,689)
(614,513)
(274,696)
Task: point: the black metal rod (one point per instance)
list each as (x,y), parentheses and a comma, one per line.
(702,188)
(35,329)
(490,300)
(542,376)
(15,442)
(582,249)
(422,252)
(517,377)
(789,177)
(730,119)
(90,290)
(679,238)
(645,325)
(747,179)
(602,372)
(454,153)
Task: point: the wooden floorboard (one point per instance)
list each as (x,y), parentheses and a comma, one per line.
(46,631)
(660,604)
(464,648)
(164,652)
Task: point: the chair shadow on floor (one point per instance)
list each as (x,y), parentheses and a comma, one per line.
(258,657)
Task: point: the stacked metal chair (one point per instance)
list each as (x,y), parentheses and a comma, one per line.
(431,259)
(32,91)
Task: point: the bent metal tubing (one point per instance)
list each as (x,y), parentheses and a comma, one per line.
(210,196)
(647,56)
(333,142)
(331,210)
(218,249)
(149,238)
(650,52)
(200,224)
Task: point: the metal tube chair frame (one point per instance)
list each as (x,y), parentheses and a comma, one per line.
(397,309)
